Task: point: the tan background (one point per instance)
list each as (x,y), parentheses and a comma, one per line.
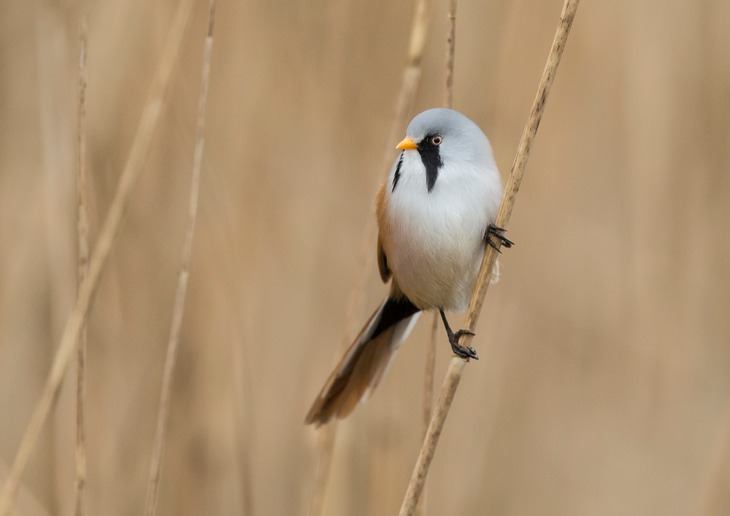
(603,387)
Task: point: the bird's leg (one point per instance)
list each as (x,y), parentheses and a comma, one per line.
(458,349)
(498,233)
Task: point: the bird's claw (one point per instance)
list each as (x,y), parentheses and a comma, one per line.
(498,233)
(458,349)
(465,352)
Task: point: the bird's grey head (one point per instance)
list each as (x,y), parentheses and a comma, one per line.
(443,135)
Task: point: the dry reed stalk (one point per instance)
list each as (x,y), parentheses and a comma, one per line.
(457,365)
(82,229)
(54,59)
(428,376)
(450,49)
(325,451)
(241,380)
(72,330)
(406,95)
(173,344)
(430,367)
(27,503)
(714,497)
(409,83)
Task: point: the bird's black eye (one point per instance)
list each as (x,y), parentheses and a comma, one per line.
(436,139)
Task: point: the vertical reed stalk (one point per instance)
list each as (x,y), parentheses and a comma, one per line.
(457,365)
(428,376)
(325,450)
(409,84)
(173,344)
(82,228)
(243,433)
(107,235)
(431,350)
(450,49)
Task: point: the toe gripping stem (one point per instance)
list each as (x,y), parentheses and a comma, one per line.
(498,233)
(458,349)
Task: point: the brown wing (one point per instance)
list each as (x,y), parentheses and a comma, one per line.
(380,208)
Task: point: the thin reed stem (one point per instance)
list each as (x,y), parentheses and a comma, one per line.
(242,386)
(27,503)
(428,374)
(431,349)
(457,365)
(411,79)
(325,450)
(173,344)
(409,84)
(82,228)
(428,377)
(450,49)
(714,497)
(107,235)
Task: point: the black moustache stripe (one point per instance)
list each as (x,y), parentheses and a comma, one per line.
(396,176)
(431,160)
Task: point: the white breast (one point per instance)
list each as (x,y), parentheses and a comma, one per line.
(435,240)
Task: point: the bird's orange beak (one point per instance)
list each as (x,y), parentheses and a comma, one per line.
(407,144)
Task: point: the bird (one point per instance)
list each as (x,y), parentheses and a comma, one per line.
(436,214)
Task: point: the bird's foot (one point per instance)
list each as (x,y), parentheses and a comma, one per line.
(458,349)
(498,233)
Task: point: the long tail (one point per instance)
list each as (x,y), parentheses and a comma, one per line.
(366,360)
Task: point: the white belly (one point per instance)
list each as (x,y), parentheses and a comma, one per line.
(439,271)
(434,241)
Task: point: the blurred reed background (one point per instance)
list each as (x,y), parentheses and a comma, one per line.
(603,386)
